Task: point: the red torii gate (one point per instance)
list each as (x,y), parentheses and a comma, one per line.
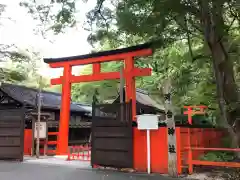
(130,72)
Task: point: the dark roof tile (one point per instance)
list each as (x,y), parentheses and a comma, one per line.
(50,100)
(99,54)
(143,97)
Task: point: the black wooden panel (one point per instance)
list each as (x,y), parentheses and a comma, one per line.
(117,159)
(7,133)
(112,140)
(11,134)
(115,132)
(112,144)
(10,141)
(111,122)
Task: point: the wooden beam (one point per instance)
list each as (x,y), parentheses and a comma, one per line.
(221,164)
(103,76)
(117,57)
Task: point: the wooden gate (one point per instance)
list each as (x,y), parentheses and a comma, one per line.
(112,139)
(12,134)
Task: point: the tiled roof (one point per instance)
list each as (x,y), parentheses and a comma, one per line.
(142,97)
(50,100)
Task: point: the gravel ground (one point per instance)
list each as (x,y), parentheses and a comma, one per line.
(33,170)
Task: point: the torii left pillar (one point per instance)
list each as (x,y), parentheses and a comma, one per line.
(130,72)
(65,111)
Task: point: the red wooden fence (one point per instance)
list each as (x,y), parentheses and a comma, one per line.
(81,153)
(202,142)
(203,138)
(200,137)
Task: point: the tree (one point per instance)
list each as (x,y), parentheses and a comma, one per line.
(11,53)
(53,15)
(214,24)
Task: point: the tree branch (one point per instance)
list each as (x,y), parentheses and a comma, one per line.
(183,26)
(188,38)
(100,13)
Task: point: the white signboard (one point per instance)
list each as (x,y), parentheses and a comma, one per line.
(147,122)
(42,130)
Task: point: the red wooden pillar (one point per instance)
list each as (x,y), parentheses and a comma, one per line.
(130,85)
(96,68)
(62,145)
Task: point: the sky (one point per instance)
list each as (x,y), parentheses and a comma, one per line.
(19,31)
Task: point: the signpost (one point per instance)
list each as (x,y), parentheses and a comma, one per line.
(42,130)
(169,113)
(148,122)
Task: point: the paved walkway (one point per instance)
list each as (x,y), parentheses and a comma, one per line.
(59,161)
(42,169)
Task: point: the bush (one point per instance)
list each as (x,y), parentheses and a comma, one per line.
(218,156)
(226,142)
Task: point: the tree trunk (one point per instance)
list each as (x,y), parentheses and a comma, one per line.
(228,98)
(226,90)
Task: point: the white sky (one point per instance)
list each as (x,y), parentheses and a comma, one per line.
(20,32)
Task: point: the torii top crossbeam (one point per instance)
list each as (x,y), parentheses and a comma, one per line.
(130,72)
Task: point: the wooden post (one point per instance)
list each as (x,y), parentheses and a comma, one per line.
(121,93)
(179,160)
(62,144)
(190,165)
(46,140)
(39,117)
(130,85)
(96,69)
(33,138)
(172,148)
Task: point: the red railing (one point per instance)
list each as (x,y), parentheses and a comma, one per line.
(193,146)
(46,142)
(192,162)
(82,153)
(200,137)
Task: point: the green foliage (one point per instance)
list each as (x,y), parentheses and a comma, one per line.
(226,142)
(108,90)
(218,156)
(17,72)
(180,32)
(55,88)
(54,15)
(13,61)
(11,75)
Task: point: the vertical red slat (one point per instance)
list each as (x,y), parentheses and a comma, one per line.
(179,159)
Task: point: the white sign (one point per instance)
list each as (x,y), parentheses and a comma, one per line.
(42,130)
(147,122)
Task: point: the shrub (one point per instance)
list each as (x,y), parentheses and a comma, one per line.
(218,156)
